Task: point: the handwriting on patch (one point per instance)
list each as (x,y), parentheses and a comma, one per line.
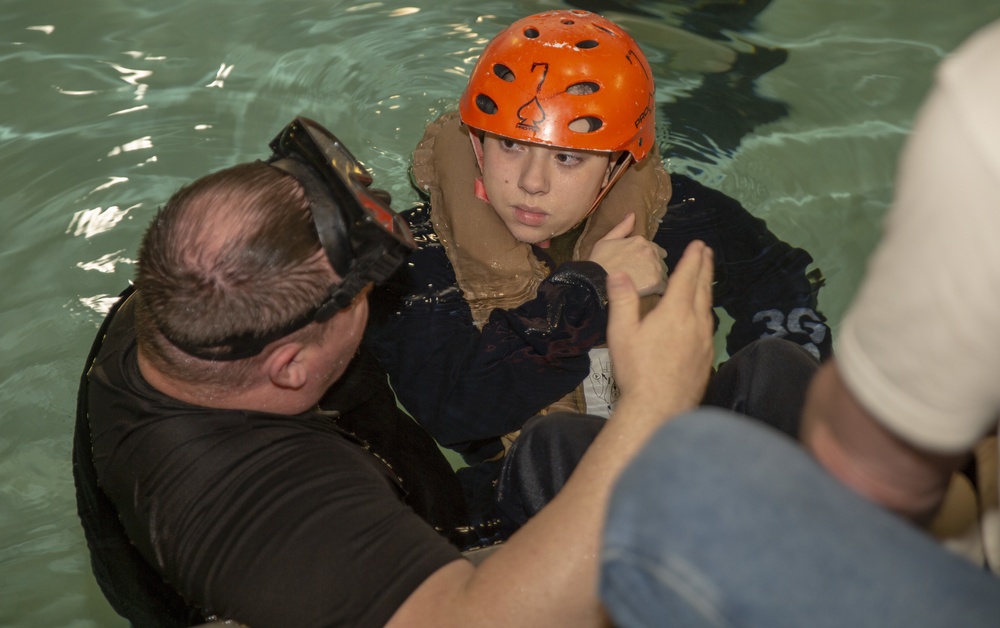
(600,389)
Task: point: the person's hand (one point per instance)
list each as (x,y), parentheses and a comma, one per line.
(662,361)
(637,257)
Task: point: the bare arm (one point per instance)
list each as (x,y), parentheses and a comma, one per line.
(546,574)
(854,446)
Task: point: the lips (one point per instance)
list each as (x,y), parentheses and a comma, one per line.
(529,217)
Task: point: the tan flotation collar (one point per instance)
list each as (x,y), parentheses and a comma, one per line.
(494,269)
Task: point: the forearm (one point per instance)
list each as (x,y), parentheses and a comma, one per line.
(463,383)
(855,448)
(459,385)
(546,574)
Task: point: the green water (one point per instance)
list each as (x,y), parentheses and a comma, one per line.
(108,106)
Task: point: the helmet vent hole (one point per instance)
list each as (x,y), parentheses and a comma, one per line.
(586,124)
(587,44)
(584,88)
(568,22)
(503,72)
(486,104)
(531,33)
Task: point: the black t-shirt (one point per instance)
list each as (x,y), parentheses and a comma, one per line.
(266,519)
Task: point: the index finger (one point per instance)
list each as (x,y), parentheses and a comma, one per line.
(623,308)
(692,276)
(703,298)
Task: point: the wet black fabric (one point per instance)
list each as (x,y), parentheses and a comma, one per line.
(267,519)
(540,462)
(766,381)
(464,384)
(469,386)
(368,411)
(763,283)
(132,587)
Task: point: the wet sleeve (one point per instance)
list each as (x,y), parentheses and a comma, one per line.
(466,384)
(763,283)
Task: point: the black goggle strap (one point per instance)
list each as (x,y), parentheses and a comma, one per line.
(349,180)
(332,231)
(358,182)
(379,233)
(364,239)
(381,253)
(239,346)
(331,225)
(354,282)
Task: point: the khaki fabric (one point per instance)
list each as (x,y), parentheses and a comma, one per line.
(493,269)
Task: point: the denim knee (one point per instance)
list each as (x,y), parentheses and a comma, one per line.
(722,521)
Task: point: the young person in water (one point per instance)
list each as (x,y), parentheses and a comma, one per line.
(545,181)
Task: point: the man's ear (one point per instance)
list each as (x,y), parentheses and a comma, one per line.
(285,367)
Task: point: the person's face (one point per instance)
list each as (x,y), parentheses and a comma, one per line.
(540,191)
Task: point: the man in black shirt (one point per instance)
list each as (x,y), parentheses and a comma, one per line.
(233,425)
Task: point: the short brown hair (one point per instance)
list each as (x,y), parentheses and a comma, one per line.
(234,252)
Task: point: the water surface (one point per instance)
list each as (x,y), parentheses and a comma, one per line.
(798,108)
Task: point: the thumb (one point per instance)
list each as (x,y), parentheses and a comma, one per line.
(623,308)
(622,229)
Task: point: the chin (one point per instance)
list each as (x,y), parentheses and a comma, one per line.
(528,238)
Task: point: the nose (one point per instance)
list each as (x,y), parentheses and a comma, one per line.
(534,178)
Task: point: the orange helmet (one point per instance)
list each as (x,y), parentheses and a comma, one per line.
(571,79)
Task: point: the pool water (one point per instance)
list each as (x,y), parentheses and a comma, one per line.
(797,108)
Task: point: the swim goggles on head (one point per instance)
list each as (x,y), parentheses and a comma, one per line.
(364,239)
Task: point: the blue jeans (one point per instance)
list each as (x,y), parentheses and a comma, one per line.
(721,521)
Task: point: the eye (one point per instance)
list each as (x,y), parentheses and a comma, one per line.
(568,159)
(508,145)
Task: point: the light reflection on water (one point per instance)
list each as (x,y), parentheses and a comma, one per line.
(798,108)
